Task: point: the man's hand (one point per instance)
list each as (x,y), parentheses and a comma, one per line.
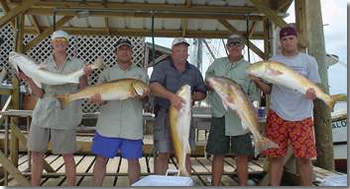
(22,76)
(176,101)
(96,99)
(87,70)
(254,78)
(144,95)
(310,94)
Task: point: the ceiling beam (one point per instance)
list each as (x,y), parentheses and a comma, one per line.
(6,9)
(35,24)
(247,42)
(20,8)
(144,32)
(48,31)
(271,14)
(123,13)
(149,7)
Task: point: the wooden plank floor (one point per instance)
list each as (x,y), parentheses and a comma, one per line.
(117,171)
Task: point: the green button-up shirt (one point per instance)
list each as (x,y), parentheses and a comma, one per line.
(122,118)
(47,112)
(236,71)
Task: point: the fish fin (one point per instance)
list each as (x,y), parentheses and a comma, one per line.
(98,63)
(137,90)
(38,84)
(244,125)
(64,100)
(43,67)
(264,144)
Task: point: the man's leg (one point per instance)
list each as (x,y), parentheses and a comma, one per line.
(276,170)
(217,168)
(69,164)
(188,163)
(305,167)
(161,163)
(37,168)
(99,171)
(133,170)
(242,169)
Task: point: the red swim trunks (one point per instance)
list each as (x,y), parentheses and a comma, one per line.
(300,134)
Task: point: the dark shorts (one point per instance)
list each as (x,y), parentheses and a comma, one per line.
(108,147)
(218,143)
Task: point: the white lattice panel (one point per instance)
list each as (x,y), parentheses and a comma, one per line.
(87,48)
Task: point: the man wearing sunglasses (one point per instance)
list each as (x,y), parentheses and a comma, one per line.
(226,134)
(50,122)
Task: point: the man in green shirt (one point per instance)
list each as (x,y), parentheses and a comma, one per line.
(226,134)
(119,126)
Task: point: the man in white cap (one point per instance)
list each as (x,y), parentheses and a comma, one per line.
(50,122)
(167,77)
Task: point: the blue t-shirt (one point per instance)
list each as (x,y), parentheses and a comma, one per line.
(289,104)
(166,74)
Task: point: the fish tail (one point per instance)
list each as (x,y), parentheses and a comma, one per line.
(182,168)
(336,98)
(64,100)
(97,64)
(264,144)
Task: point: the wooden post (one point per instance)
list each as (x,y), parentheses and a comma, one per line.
(14,146)
(323,129)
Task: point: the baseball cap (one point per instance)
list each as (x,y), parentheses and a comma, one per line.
(121,42)
(60,33)
(288,30)
(179,40)
(235,39)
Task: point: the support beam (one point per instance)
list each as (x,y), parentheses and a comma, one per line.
(14,146)
(6,163)
(20,8)
(107,25)
(35,24)
(247,42)
(268,12)
(145,32)
(322,116)
(188,3)
(46,33)
(300,17)
(183,26)
(252,29)
(267,42)
(6,9)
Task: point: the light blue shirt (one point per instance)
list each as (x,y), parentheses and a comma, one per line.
(289,104)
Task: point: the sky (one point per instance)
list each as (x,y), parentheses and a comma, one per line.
(334,15)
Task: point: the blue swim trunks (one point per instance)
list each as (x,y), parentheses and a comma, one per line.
(108,147)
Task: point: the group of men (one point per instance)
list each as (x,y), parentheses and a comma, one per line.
(119,125)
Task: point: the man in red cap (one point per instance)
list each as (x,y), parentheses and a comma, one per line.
(291,113)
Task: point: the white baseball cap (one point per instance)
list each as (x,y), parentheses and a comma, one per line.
(179,40)
(59,33)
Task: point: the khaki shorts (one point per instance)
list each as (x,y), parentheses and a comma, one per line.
(161,134)
(62,141)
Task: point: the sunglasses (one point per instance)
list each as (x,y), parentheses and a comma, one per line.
(235,44)
(61,40)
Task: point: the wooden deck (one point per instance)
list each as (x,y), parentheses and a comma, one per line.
(116,171)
